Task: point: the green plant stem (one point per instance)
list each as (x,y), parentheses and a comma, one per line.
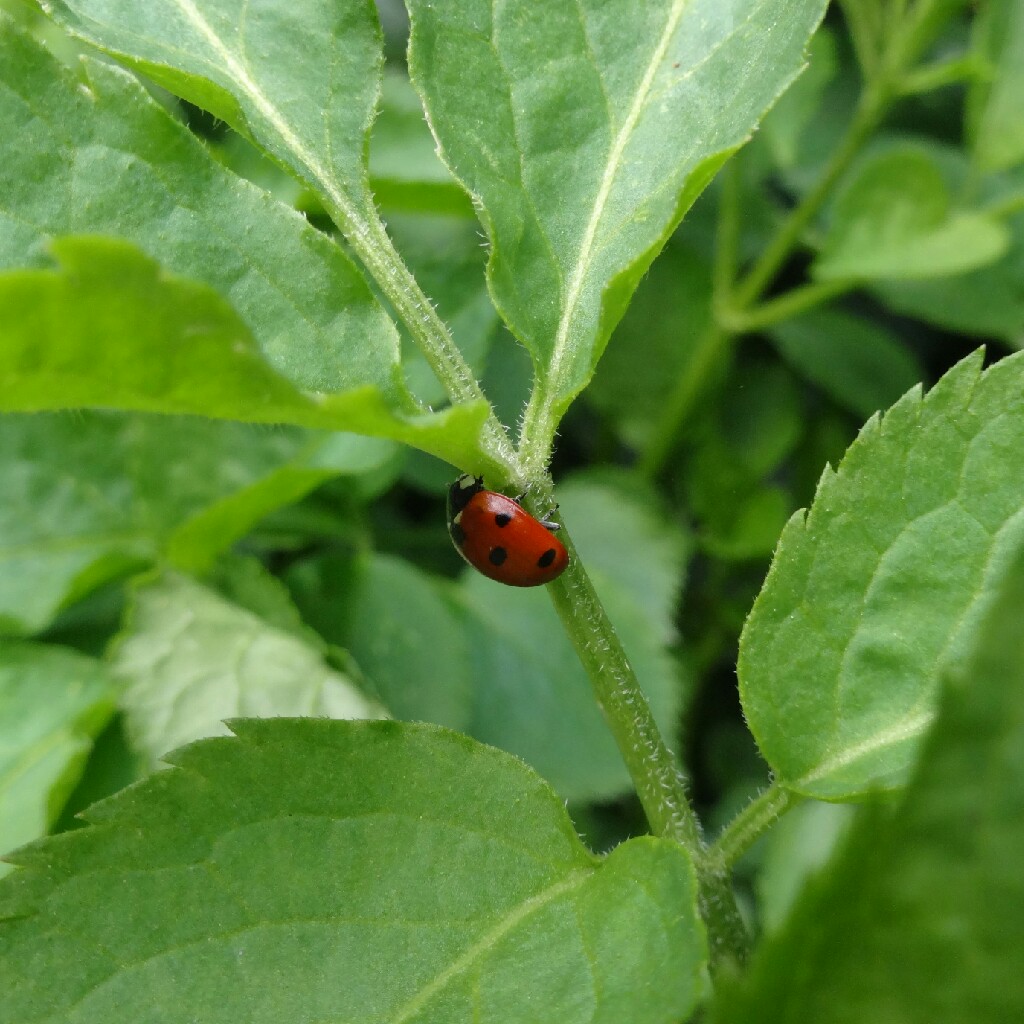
(786,306)
(870,110)
(862,33)
(688,389)
(727,233)
(371,243)
(659,780)
(752,822)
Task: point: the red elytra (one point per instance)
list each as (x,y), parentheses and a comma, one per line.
(500,539)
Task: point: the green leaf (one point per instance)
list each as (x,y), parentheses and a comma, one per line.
(857,362)
(895,219)
(399,625)
(188,659)
(108,328)
(53,703)
(532,696)
(98,155)
(879,586)
(917,920)
(300,78)
(584,152)
(377,872)
(89,497)
(988,302)
(994,118)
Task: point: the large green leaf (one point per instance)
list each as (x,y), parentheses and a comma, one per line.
(373,872)
(302,78)
(585,131)
(189,658)
(918,919)
(53,702)
(109,329)
(532,696)
(97,154)
(879,585)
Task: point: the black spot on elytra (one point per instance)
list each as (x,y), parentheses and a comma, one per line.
(502,519)
(546,559)
(458,534)
(497,556)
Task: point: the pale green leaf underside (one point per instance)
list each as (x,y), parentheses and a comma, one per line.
(302,77)
(90,496)
(345,871)
(99,156)
(189,658)
(585,130)
(53,702)
(918,918)
(108,329)
(879,585)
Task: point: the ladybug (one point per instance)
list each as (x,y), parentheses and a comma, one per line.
(499,538)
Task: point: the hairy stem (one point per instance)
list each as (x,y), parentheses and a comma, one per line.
(870,110)
(658,778)
(373,246)
(786,306)
(752,822)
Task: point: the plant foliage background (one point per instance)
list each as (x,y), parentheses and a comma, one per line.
(761,320)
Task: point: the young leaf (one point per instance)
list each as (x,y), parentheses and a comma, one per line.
(100,156)
(895,219)
(189,659)
(917,920)
(53,703)
(108,328)
(585,130)
(532,697)
(988,302)
(321,870)
(879,585)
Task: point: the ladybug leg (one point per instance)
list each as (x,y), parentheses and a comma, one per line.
(546,521)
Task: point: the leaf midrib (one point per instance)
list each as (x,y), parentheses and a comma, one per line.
(487,942)
(270,112)
(612,166)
